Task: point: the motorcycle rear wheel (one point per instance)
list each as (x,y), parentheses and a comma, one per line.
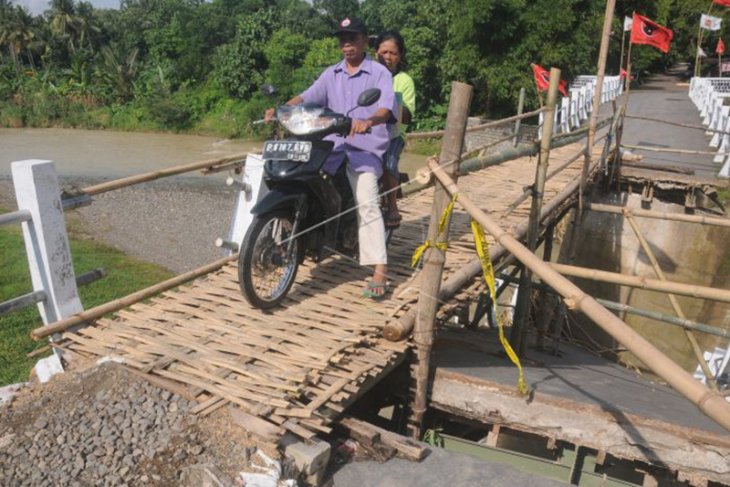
(266,271)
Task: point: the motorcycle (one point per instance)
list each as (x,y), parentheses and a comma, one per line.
(306,211)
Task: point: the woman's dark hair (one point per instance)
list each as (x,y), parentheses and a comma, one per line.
(393,35)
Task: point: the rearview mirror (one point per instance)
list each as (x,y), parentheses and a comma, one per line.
(268,89)
(368,97)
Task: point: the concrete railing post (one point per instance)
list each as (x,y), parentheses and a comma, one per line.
(46,241)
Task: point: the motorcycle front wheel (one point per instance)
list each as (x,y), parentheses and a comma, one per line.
(267,264)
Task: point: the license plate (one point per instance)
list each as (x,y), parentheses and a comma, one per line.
(287,150)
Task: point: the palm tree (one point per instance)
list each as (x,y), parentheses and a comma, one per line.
(17,31)
(118,69)
(86,23)
(63,20)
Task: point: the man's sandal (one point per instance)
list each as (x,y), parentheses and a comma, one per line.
(375,291)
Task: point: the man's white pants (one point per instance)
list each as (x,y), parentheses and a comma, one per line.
(371,228)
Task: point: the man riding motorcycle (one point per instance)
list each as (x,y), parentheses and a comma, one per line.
(338,89)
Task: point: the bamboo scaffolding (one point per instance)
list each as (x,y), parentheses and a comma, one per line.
(434,258)
(399,329)
(600,74)
(673,300)
(117,304)
(208,165)
(710,402)
(658,285)
(660,215)
(519,327)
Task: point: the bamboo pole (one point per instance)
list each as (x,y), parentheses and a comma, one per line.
(675,151)
(475,128)
(708,401)
(162,173)
(519,326)
(434,258)
(692,290)
(669,319)
(673,300)
(116,305)
(624,308)
(542,325)
(659,215)
(677,124)
(399,329)
(600,74)
(520,108)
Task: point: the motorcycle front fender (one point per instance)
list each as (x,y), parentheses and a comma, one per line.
(282,197)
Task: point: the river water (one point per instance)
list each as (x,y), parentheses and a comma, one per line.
(108,155)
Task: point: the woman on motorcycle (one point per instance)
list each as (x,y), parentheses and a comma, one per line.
(338,88)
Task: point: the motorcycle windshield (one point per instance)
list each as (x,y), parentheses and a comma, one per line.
(306,119)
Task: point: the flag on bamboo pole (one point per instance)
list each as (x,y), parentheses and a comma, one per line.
(624,74)
(646,31)
(720,49)
(724,3)
(710,23)
(542,79)
(628,22)
(701,52)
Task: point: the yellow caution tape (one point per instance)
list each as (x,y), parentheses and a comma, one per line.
(442,246)
(488,271)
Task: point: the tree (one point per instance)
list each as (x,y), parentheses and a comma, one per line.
(240,64)
(16,32)
(63,20)
(118,70)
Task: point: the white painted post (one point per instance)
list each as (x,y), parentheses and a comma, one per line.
(46,241)
(253,176)
(565,114)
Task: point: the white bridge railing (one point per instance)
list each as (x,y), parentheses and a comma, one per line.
(575,109)
(711,96)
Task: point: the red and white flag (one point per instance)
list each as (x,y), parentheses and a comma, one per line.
(646,31)
(542,79)
(720,49)
(724,3)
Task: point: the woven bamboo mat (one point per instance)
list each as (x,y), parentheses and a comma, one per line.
(297,367)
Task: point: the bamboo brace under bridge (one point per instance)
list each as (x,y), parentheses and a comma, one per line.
(299,367)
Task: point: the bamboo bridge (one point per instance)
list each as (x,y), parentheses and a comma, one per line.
(299,367)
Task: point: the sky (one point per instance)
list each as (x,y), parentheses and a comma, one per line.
(37,7)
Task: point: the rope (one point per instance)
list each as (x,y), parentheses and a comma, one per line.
(480,242)
(442,246)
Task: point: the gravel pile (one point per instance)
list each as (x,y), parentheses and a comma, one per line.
(106,427)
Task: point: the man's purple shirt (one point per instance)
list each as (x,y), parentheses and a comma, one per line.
(338,90)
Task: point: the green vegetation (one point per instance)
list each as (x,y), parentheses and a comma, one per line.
(124,276)
(187,65)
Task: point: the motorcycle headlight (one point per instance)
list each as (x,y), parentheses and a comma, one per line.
(303,119)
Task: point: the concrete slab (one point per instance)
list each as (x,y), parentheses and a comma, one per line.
(439,468)
(574,375)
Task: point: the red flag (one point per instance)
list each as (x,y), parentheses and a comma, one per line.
(542,79)
(720,49)
(724,3)
(563,87)
(623,74)
(646,31)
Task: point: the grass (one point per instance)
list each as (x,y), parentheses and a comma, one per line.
(124,276)
(424,147)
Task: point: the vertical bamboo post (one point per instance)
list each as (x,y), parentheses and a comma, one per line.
(520,109)
(623,46)
(600,74)
(433,258)
(519,328)
(547,255)
(711,382)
